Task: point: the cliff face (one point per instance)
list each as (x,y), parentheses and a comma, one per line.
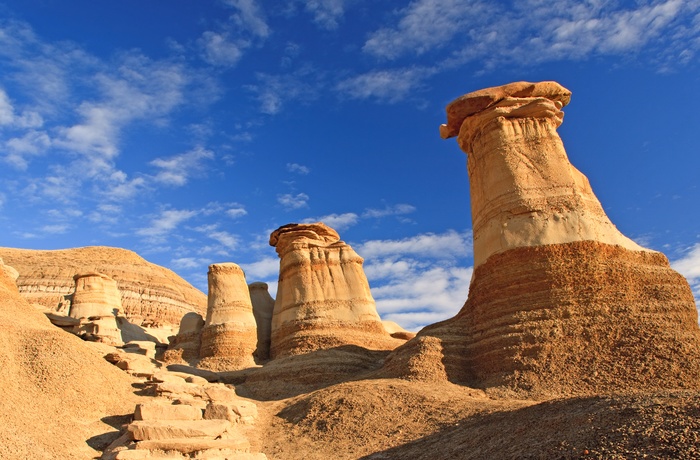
(560,301)
(323,297)
(149,293)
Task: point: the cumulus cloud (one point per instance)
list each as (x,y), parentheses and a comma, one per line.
(291,202)
(176,170)
(265,268)
(418,280)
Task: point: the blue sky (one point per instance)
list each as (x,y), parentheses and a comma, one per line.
(188,131)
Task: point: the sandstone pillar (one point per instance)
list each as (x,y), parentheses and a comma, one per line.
(229,335)
(263,306)
(560,301)
(186,344)
(323,297)
(97,303)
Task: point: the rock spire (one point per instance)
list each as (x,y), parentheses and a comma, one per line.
(323,297)
(560,301)
(229,335)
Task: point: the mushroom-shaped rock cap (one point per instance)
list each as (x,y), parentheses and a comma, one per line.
(471,103)
(318,231)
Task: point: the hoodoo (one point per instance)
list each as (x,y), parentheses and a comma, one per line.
(560,301)
(229,335)
(263,306)
(323,297)
(97,303)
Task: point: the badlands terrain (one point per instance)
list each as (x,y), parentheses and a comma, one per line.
(574,342)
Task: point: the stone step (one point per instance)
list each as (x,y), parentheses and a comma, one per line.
(143,430)
(190,446)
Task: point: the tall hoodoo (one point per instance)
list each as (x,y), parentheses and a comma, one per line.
(323,297)
(263,306)
(229,334)
(560,301)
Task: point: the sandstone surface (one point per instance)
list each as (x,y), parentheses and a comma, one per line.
(323,297)
(55,388)
(560,301)
(263,307)
(151,295)
(229,335)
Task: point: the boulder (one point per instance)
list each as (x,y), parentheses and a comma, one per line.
(229,335)
(560,301)
(263,307)
(323,297)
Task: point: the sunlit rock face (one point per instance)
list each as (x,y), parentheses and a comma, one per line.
(560,301)
(323,297)
(229,336)
(263,306)
(96,294)
(151,295)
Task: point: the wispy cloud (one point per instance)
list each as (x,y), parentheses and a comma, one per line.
(297,168)
(290,202)
(274,91)
(176,170)
(220,50)
(265,268)
(336,221)
(395,210)
(384,85)
(327,13)
(166,222)
(235,211)
(450,244)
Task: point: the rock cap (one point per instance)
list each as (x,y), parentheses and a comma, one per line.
(475,102)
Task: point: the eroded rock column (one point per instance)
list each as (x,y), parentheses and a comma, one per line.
(97,303)
(323,298)
(263,306)
(229,336)
(560,301)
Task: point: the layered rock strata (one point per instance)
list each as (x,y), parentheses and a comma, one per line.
(150,294)
(96,302)
(263,307)
(323,297)
(229,335)
(560,301)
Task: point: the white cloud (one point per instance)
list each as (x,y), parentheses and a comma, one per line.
(689,266)
(218,49)
(326,13)
(166,222)
(396,210)
(446,245)
(297,168)
(57,229)
(32,143)
(385,85)
(249,17)
(184,263)
(8,118)
(274,91)
(336,221)
(236,211)
(266,268)
(226,239)
(425,25)
(177,170)
(291,202)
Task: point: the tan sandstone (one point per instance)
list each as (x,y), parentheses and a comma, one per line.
(560,301)
(323,297)
(184,347)
(229,336)
(263,307)
(151,294)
